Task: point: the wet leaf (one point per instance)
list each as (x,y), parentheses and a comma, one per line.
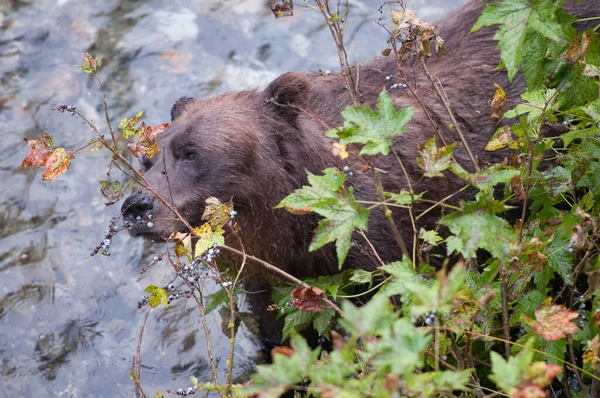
(552,322)
(158,296)
(308,299)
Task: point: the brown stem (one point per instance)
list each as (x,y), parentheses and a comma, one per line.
(337,32)
(572,357)
(137,359)
(388,214)
(199,298)
(505,316)
(437,85)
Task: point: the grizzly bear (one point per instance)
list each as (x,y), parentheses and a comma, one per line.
(256,147)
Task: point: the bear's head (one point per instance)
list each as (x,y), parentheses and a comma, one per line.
(248,147)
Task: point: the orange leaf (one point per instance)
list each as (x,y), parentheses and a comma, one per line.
(56,161)
(553,322)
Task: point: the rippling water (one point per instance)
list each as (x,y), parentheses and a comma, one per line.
(69,322)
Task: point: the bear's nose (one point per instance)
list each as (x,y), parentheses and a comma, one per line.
(137,211)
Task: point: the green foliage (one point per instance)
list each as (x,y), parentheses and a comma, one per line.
(373,129)
(516,274)
(521,21)
(328,197)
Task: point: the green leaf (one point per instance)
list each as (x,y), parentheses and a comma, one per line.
(128,126)
(507,374)
(322,321)
(402,272)
(433,160)
(400,348)
(362,125)
(369,319)
(111,190)
(216,299)
(327,197)
(488,178)
(207,238)
(361,276)
(520,20)
(404,197)
(439,296)
(538,104)
(477,227)
(296,320)
(273,380)
(158,296)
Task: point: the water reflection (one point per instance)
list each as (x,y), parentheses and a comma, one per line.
(69,323)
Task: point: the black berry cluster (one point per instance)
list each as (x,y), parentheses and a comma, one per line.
(69,108)
(113,229)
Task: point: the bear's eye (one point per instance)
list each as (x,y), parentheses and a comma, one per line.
(190,156)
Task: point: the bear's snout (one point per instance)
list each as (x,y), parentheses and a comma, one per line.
(137,213)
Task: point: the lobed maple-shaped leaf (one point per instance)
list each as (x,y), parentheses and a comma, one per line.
(327,197)
(56,160)
(552,322)
(434,160)
(373,129)
(477,227)
(520,20)
(538,104)
(308,299)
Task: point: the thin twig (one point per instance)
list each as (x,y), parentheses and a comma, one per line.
(281,272)
(437,85)
(137,359)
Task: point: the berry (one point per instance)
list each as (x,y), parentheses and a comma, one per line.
(388,77)
(150,224)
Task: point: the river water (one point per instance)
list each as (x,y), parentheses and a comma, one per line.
(69,322)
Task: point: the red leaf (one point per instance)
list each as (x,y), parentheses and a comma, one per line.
(39,153)
(308,299)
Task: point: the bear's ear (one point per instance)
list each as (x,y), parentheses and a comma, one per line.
(180,106)
(286,95)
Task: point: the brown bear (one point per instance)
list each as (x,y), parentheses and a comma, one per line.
(252,149)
